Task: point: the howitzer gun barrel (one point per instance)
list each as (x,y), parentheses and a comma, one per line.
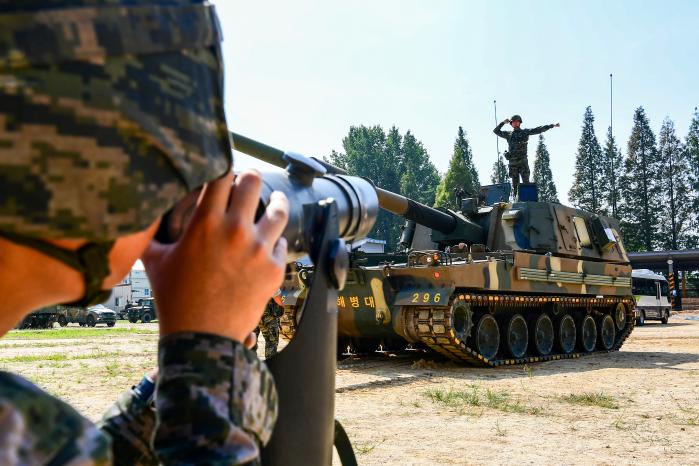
(412,210)
(272,155)
(392,202)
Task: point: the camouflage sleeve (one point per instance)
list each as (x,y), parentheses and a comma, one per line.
(498,130)
(215,401)
(130,423)
(36,428)
(539,129)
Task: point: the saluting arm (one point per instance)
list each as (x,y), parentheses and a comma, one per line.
(498,129)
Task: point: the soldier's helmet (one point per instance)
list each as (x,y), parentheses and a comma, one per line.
(516,117)
(106,129)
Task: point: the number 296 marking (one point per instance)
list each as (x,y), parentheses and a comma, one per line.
(426,298)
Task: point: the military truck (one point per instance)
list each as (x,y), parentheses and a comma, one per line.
(86,317)
(144,310)
(492,283)
(40,319)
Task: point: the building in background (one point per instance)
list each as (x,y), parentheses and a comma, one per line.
(134,287)
(140,285)
(121,295)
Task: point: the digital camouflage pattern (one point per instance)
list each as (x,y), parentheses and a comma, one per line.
(517,141)
(130,423)
(36,429)
(269,325)
(108,113)
(216,401)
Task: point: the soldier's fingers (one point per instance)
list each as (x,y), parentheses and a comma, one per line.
(279,252)
(250,341)
(245,197)
(273,221)
(214,197)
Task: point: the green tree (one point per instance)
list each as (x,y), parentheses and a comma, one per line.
(393,162)
(612,166)
(419,177)
(366,153)
(542,174)
(499,174)
(692,147)
(640,187)
(461,174)
(585,192)
(675,176)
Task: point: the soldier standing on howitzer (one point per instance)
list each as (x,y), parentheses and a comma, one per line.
(516,153)
(269,325)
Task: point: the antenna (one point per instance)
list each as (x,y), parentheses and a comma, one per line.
(611,134)
(611,103)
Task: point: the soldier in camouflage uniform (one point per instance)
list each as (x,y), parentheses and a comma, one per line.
(269,325)
(516,154)
(110,112)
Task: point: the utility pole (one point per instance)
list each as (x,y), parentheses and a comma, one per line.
(497,139)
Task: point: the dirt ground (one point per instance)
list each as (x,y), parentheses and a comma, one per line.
(636,406)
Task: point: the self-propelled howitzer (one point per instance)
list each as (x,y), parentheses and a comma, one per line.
(494,284)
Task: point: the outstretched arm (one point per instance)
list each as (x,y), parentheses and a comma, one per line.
(541,129)
(498,130)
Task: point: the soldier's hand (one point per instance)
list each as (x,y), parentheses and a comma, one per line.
(557,125)
(224,269)
(506,121)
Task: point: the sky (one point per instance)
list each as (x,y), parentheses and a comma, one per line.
(300,73)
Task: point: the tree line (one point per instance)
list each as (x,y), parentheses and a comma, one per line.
(653,189)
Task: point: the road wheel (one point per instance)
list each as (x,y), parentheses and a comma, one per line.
(566,334)
(516,336)
(146,318)
(587,336)
(62,321)
(665,318)
(110,324)
(487,337)
(543,335)
(461,319)
(90,321)
(641,319)
(607,332)
(620,316)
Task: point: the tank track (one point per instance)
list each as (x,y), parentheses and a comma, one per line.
(433,325)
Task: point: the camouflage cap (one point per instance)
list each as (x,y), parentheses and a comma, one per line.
(516,117)
(108,114)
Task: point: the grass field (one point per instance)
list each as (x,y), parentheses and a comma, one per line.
(636,406)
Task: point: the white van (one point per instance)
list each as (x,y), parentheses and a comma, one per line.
(651,292)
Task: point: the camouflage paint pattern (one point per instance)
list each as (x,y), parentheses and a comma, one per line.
(108,114)
(215,401)
(539,249)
